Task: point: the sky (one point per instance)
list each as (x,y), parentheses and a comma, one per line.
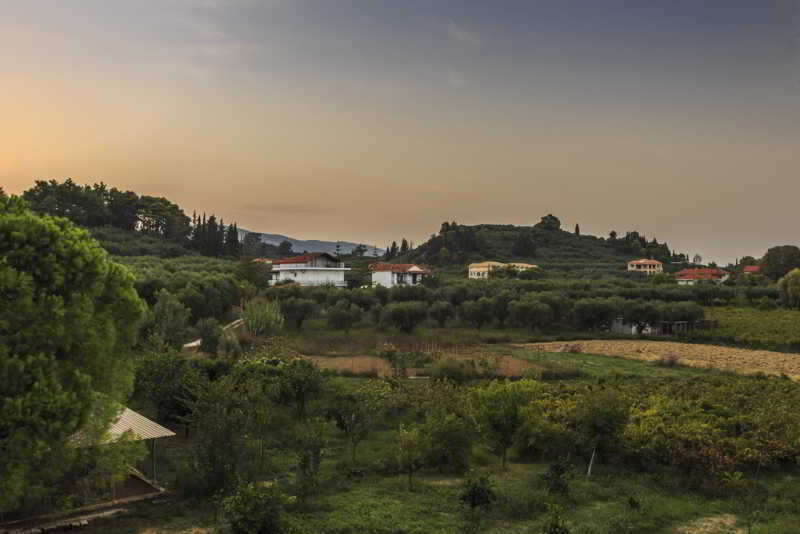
(371,120)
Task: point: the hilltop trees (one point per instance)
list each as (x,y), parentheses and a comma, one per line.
(549,222)
(67,322)
(97,205)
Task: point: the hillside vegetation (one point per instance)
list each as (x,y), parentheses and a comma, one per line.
(544,243)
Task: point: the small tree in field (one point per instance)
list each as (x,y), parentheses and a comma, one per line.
(440,312)
(531,313)
(297,310)
(256,508)
(404,315)
(344,315)
(410,451)
(501,306)
(477,496)
(210,334)
(309,448)
(477,312)
(601,417)
(296,383)
(498,410)
(357,410)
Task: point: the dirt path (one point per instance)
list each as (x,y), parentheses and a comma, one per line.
(718,524)
(723,358)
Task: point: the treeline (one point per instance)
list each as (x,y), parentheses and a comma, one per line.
(114,215)
(407,307)
(458,244)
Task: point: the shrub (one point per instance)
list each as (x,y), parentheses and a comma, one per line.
(457,371)
(531,313)
(256,509)
(405,316)
(477,312)
(262,316)
(297,310)
(229,345)
(441,311)
(210,334)
(343,315)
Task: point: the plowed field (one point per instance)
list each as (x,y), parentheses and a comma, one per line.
(723,358)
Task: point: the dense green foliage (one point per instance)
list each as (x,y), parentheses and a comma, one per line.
(460,244)
(68,319)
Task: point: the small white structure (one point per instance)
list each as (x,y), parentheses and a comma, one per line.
(315,269)
(646,266)
(397,274)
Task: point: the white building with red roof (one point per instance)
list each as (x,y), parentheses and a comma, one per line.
(646,266)
(314,269)
(689,277)
(397,274)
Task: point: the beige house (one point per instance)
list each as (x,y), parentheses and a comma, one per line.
(646,266)
(480,271)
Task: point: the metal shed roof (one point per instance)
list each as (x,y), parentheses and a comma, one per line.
(139,425)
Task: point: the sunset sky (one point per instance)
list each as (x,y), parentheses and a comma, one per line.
(372,120)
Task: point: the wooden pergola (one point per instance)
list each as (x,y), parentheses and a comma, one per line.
(141,428)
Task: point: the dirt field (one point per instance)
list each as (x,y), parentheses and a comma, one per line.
(506,365)
(724,358)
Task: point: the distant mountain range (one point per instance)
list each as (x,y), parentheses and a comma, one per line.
(312,245)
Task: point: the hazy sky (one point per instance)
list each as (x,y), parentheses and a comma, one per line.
(372,120)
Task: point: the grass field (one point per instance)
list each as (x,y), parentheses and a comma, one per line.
(750,327)
(696,355)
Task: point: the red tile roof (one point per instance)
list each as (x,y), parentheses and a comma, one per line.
(305,258)
(396,267)
(701,274)
(752,269)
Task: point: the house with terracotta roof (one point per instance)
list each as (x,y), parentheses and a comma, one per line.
(751,269)
(646,266)
(314,269)
(482,270)
(690,277)
(397,274)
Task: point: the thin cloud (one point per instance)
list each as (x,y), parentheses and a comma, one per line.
(462,34)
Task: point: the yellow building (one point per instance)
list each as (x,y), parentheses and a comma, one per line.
(646,266)
(480,271)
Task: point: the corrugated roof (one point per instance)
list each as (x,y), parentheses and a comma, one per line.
(139,425)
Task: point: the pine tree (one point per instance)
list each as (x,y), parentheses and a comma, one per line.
(231,244)
(404,247)
(577,229)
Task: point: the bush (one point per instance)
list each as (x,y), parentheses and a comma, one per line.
(477,312)
(441,311)
(262,317)
(343,315)
(405,316)
(256,509)
(297,310)
(210,334)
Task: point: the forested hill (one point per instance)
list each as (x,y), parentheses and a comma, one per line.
(545,242)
